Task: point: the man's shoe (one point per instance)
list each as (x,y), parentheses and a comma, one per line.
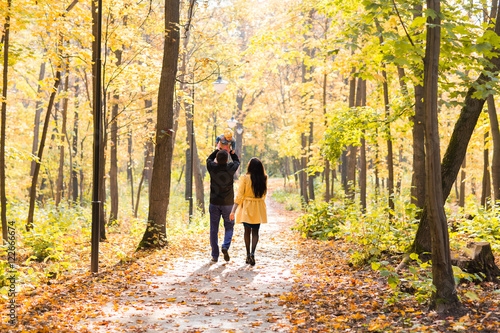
(213,261)
(226,255)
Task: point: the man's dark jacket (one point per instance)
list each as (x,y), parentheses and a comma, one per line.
(221,180)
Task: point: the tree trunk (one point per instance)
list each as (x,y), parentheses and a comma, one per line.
(38,114)
(457,147)
(309,150)
(444,297)
(155,234)
(102,166)
(486,186)
(130,166)
(74,168)
(198,180)
(296,168)
(362,150)
(57,80)
(113,154)
(3,195)
(148,162)
(144,175)
(302,171)
(352,150)
(495,135)
(327,162)
(461,200)
(343,170)
(60,174)
(390,158)
(418,173)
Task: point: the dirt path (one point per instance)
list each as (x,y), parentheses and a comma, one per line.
(191,295)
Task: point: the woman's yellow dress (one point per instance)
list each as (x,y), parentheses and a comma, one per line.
(250,209)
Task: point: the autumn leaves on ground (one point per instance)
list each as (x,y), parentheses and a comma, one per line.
(297,285)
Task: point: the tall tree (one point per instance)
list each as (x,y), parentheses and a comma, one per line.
(361,102)
(390,158)
(38,114)
(418,163)
(495,160)
(352,149)
(5,80)
(444,297)
(62,139)
(57,80)
(155,234)
(113,156)
(459,140)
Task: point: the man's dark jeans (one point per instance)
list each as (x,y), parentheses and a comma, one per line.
(216,212)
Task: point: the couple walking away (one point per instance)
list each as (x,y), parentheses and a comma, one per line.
(248,207)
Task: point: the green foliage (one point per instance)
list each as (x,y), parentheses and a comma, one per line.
(322,221)
(289,197)
(485,225)
(347,125)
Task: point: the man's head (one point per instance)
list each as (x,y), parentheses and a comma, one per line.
(228,134)
(222,156)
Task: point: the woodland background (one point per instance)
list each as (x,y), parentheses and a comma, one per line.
(325,93)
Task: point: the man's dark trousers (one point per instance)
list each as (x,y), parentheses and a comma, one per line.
(216,211)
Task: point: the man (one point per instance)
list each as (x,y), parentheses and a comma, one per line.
(221,199)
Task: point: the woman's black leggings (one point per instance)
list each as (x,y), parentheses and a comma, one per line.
(255,239)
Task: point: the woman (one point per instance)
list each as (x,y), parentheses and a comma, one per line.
(250,201)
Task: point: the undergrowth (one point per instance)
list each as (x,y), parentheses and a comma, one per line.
(289,197)
(380,241)
(59,244)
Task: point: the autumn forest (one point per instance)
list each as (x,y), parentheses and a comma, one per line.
(375,121)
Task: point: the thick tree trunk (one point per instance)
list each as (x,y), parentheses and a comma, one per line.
(444,297)
(155,234)
(3,194)
(495,135)
(60,174)
(457,147)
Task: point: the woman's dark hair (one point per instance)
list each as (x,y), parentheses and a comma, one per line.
(258,177)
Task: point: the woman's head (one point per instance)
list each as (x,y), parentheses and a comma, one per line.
(255,166)
(258,176)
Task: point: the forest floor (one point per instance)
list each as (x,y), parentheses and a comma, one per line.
(297,285)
